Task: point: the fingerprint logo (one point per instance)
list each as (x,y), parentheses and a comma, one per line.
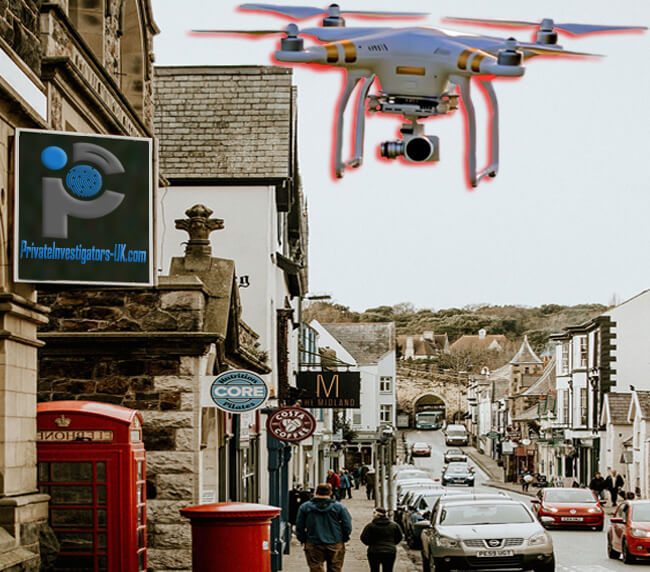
(84,181)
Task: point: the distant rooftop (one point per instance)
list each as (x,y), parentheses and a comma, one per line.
(368,342)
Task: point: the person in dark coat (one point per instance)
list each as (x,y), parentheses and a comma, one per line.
(323,525)
(614,484)
(370,484)
(597,484)
(381,536)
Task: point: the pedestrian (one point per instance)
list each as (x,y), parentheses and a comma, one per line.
(356,475)
(364,472)
(370,484)
(526,479)
(323,526)
(334,481)
(597,484)
(381,536)
(614,484)
(346,485)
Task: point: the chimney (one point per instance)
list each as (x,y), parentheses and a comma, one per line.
(410,352)
(199,225)
(481,334)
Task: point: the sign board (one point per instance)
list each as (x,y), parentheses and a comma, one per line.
(507,448)
(234,391)
(83,209)
(330,389)
(292,424)
(72,436)
(492,435)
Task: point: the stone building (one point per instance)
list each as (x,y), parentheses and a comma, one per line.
(65,65)
(146,349)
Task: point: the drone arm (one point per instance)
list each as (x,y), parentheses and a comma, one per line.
(352,80)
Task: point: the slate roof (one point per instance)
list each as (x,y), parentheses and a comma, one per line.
(423,347)
(525,354)
(546,381)
(224,121)
(618,405)
(367,343)
(476,342)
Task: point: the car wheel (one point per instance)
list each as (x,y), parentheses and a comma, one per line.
(426,567)
(613,554)
(547,567)
(627,557)
(440,566)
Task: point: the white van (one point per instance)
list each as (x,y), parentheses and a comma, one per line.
(456,435)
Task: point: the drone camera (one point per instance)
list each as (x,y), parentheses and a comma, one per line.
(414,149)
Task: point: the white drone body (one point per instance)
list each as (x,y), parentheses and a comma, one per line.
(419,69)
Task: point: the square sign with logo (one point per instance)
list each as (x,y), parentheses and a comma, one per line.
(83,209)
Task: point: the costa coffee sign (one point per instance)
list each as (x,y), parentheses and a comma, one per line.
(291,424)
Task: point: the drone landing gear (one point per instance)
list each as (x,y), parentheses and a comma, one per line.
(352,80)
(493,165)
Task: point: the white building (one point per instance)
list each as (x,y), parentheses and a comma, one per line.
(618,429)
(639,471)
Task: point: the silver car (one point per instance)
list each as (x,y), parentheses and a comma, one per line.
(485,534)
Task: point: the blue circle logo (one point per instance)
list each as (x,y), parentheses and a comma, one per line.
(54,158)
(238,391)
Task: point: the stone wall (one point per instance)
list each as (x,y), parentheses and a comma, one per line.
(111,346)
(19,28)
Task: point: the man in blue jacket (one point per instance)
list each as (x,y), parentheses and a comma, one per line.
(323,525)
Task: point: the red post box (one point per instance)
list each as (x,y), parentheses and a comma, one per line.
(91,462)
(241,531)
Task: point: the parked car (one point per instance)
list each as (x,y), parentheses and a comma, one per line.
(402,486)
(410,473)
(456,435)
(629,531)
(421,450)
(569,507)
(458,474)
(486,534)
(419,508)
(455,455)
(454,495)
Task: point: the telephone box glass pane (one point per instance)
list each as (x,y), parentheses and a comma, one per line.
(102,566)
(101,542)
(74,562)
(101,518)
(72,518)
(72,472)
(101,494)
(43,471)
(71,494)
(101,472)
(75,541)
(141,561)
(140,514)
(140,537)
(140,472)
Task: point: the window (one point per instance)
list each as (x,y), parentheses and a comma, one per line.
(386,413)
(308,349)
(583,405)
(565,407)
(583,351)
(565,359)
(356,417)
(385,384)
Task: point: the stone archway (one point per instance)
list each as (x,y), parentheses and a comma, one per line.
(429,401)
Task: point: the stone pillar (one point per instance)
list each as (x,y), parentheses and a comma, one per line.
(23,511)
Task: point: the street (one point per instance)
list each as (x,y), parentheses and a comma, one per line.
(575,550)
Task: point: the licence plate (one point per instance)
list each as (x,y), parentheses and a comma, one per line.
(572,518)
(494,553)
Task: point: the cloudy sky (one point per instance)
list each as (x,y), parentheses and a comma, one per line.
(566,219)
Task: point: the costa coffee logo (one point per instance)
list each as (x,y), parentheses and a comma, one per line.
(291,424)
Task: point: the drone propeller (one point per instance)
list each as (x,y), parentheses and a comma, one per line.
(291,31)
(548,25)
(333,11)
(537,50)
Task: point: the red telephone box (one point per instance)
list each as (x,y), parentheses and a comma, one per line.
(91,462)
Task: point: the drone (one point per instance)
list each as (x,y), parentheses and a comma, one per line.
(422,71)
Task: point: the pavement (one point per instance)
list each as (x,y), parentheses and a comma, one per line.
(360,510)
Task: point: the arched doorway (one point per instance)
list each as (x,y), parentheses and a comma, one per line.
(429,412)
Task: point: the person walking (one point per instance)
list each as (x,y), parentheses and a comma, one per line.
(346,485)
(381,536)
(334,481)
(356,475)
(526,479)
(323,526)
(614,484)
(370,484)
(597,484)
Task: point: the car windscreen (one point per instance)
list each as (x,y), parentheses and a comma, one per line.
(429,499)
(455,452)
(473,514)
(456,433)
(457,469)
(569,496)
(641,513)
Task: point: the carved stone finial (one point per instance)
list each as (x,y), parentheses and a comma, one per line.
(199,225)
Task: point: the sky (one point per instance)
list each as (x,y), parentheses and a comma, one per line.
(564,222)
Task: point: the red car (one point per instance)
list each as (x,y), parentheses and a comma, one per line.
(629,531)
(568,507)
